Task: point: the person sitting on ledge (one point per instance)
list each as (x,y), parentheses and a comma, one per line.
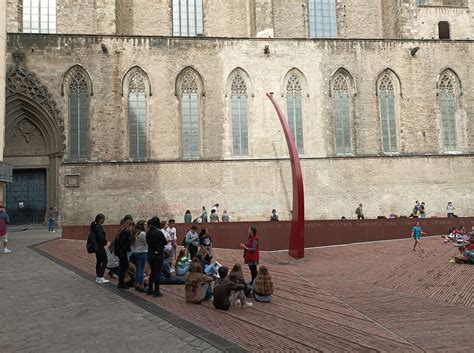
(182,263)
(165,276)
(198,285)
(112,261)
(263,286)
(227,292)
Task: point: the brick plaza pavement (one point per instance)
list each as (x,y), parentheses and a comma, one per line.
(361,297)
(48,308)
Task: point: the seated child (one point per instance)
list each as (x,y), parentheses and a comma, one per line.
(112,261)
(237,276)
(198,285)
(227,292)
(165,276)
(208,267)
(182,263)
(263,286)
(130,274)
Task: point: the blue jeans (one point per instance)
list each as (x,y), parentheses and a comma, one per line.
(50,224)
(141,258)
(210,270)
(182,271)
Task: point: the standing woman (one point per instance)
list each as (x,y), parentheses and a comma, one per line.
(100,243)
(156,241)
(188,218)
(252,252)
(140,250)
(123,243)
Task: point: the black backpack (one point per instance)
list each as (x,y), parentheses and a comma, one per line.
(90,245)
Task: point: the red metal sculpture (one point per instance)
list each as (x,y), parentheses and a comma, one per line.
(296,245)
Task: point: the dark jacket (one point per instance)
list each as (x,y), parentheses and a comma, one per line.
(156,242)
(123,243)
(222,290)
(99,234)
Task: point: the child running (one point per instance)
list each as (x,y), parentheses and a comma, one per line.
(416,233)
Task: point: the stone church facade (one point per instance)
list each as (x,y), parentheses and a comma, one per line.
(155,107)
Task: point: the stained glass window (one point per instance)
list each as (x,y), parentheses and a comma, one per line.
(239,116)
(295,110)
(341,101)
(137,116)
(447,101)
(190,116)
(387,114)
(78,115)
(39,16)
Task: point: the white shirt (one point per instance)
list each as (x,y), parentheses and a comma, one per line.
(168,238)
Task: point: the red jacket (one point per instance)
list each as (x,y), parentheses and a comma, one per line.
(255,255)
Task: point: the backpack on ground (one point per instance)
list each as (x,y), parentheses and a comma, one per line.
(90,245)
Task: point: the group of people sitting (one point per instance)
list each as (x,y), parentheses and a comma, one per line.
(464,241)
(144,255)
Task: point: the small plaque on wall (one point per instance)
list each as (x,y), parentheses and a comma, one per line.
(72,180)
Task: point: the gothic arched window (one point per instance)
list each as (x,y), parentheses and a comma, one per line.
(39,16)
(386,91)
(239,116)
(137,121)
(341,106)
(322,19)
(295,110)
(447,91)
(78,116)
(190,116)
(187,18)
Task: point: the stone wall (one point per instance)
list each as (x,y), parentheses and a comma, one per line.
(249,190)
(259,18)
(360,18)
(250,187)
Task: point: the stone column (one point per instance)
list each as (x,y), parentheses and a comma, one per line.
(3,44)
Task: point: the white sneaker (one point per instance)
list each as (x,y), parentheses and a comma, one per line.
(96,279)
(247,305)
(6,251)
(102,280)
(237,302)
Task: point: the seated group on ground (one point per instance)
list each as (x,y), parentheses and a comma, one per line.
(144,255)
(464,241)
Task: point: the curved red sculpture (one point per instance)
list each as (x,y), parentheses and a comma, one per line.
(296,246)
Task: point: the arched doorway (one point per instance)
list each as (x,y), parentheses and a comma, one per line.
(32,146)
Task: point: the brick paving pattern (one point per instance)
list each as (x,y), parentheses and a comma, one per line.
(47,308)
(362,297)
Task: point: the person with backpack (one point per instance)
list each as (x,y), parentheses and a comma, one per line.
(97,234)
(359,212)
(274,216)
(156,241)
(422,210)
(4,220)
(123,242)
